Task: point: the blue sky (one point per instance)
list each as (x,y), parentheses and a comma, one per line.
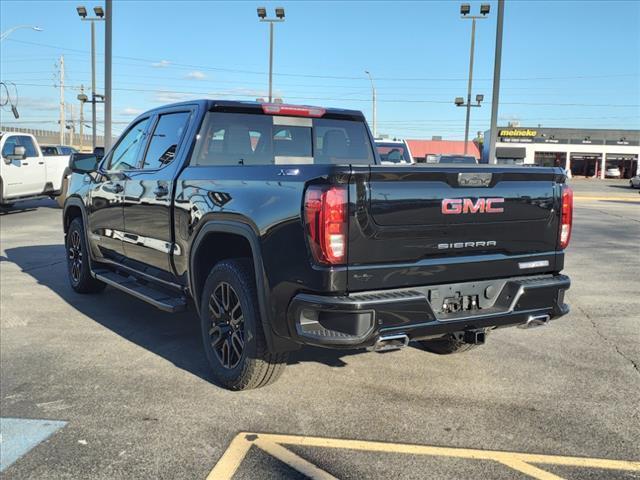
(573,64)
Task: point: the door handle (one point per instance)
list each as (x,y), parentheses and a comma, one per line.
(117,188)
(24,163)
(40,163)
(161,191)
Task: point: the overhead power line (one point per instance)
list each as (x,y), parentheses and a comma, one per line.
(336,77)
(387,100)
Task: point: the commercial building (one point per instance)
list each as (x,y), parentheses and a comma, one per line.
(421,149)
(586,152)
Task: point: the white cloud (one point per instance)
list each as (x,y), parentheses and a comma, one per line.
(38,103)
(130,111)
(161,64)
(195,75)
(171,97)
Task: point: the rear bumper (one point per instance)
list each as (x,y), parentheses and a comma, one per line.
(359,319)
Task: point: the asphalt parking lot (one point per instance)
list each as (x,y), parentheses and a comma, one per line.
(130,387)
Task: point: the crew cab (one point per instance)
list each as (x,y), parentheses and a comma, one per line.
(281,227)
(25,173)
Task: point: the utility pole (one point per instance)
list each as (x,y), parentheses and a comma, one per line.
(373,106)
(107,73)
(81,119)
(497,63)
(62,119)
(72,130)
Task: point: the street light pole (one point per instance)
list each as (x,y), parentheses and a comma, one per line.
(373,104)
(464,10)
(469,85)
(270,62)
(82,12)
(107,73)
(9,31)
(496,84)
(93,86)
(262,15)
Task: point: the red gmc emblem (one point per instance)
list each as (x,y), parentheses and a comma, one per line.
(457,206)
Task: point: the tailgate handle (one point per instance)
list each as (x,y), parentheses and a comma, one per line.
(474,179)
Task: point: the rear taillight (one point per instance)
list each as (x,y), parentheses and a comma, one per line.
(325,211)
(566,216)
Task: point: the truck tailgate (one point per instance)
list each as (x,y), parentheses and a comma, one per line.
(422,224)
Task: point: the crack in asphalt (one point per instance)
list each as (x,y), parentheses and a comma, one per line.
(604,337)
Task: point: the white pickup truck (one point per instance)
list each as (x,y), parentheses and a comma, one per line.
(25,173)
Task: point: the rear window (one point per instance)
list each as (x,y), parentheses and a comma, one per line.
(393,152)
(249,139)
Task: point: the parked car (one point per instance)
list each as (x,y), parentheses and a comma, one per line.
(461,159)
(612,172)
(278,224)
(25,173)
(394,151)
(55,150)
(634,182)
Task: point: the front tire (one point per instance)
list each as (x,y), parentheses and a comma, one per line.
(78,260)
(232,333)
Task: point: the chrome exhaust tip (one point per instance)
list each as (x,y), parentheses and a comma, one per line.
(535,321)
(389,342)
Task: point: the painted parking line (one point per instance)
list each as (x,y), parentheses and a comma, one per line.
(274,444)
(607,199)
(19,435)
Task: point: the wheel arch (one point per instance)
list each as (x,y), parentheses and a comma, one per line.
(73,207)
(246,242)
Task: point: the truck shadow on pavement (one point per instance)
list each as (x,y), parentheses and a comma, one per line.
(175,337)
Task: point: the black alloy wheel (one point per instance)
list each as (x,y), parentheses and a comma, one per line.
(227,325)
(78,262)
(232,328)
(75,256)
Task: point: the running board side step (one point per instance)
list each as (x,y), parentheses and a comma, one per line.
(160,299)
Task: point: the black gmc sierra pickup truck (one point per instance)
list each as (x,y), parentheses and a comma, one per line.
(282,227)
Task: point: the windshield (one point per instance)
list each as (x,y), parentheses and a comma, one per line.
(393,152)
(250,139)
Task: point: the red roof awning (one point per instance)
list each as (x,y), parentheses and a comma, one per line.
(422,148)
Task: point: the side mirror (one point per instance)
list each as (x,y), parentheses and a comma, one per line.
(83,162)
(19,153)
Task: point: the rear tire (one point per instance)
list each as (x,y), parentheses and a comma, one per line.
(64,187)
(232,333)
(451,343)
(78,260)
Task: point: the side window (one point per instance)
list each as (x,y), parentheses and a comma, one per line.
(234,139)
(7,149)
(29,146)
(48,151)
(125,155)
(165,139)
